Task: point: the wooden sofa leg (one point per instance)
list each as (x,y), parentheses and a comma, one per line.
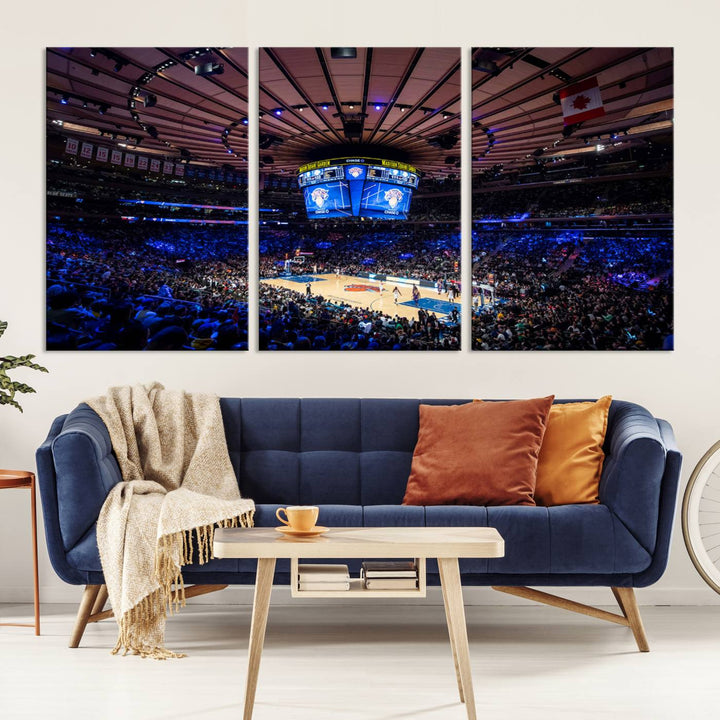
(628,604)
(84,611)
(625,597)
(102,598)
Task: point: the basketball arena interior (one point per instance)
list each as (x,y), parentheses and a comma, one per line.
(359,199)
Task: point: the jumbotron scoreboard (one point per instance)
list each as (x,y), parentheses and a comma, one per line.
(358,187)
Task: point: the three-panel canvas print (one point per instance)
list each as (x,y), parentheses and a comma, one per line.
(365,206)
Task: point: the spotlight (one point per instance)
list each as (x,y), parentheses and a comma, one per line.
(64,100)
(487,66)
(352,107)
(209,68)
(324,107)
(278,111)
(245,121)
(93,52)
(84,103)
(377,107)
(346,53)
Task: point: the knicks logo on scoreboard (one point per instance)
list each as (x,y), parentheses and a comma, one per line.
(355,172)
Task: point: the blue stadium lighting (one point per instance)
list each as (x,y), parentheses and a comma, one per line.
(278,112)
(245,121)
(192,205)
(378,107)
(189,220)
(324,107)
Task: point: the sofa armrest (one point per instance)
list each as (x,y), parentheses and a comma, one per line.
(635,455)
(85,472)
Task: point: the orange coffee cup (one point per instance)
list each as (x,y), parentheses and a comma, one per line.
(299,517)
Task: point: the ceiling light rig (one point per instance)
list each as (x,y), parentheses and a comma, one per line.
(69,98)
(118,61)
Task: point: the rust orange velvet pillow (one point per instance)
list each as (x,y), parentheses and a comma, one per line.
(477,453)
(571,457)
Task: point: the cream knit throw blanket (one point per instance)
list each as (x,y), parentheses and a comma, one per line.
(177,483)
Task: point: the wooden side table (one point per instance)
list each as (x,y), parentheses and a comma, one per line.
(25,479)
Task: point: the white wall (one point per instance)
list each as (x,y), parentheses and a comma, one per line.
(681,386)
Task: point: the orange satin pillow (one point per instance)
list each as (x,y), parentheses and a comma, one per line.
(571,457)
(477,453)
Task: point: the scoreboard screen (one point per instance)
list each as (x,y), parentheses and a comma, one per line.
(358,187)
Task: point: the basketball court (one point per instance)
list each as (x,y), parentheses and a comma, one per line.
(364,293)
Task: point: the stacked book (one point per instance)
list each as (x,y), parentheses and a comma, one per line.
(323,577)
(389,575)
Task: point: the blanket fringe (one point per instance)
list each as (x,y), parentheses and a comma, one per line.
(144,620)
(169,574)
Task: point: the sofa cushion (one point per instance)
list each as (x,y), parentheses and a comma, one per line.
(571,456)
(478,453)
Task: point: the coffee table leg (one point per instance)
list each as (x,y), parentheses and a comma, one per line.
(261,603)
(451,633)
(455,609)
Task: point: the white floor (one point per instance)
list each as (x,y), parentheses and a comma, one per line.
(388,662)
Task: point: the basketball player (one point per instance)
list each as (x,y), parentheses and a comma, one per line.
(451,293)
(308,291)
(416,295)
(396,294)
(381,287)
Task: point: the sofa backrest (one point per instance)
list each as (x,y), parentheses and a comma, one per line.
(323,450)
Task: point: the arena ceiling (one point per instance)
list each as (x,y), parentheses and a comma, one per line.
(516,114)
(154,99)
(405,100)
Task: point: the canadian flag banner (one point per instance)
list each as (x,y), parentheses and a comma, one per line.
(71,146)
(154,166)
(102,154)
(142,162)
(581,101)
(116,157)
(86,151)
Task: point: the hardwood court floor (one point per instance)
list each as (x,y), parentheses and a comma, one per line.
(375,662)
(332,287)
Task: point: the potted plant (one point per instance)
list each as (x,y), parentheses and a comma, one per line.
(8,386)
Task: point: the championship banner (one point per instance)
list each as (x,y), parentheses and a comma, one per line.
(129,160)
(167,168)
(154,166)
(581,101)
(179,170)
(116,157)
(86,151)
(142,163)
(71,146)
(102,154)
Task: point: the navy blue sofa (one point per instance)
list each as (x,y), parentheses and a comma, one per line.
(352,457)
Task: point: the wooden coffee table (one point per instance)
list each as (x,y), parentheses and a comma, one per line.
(445,544)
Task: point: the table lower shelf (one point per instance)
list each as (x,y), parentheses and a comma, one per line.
(357,589)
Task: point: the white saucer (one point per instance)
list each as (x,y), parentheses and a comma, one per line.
(312,532)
